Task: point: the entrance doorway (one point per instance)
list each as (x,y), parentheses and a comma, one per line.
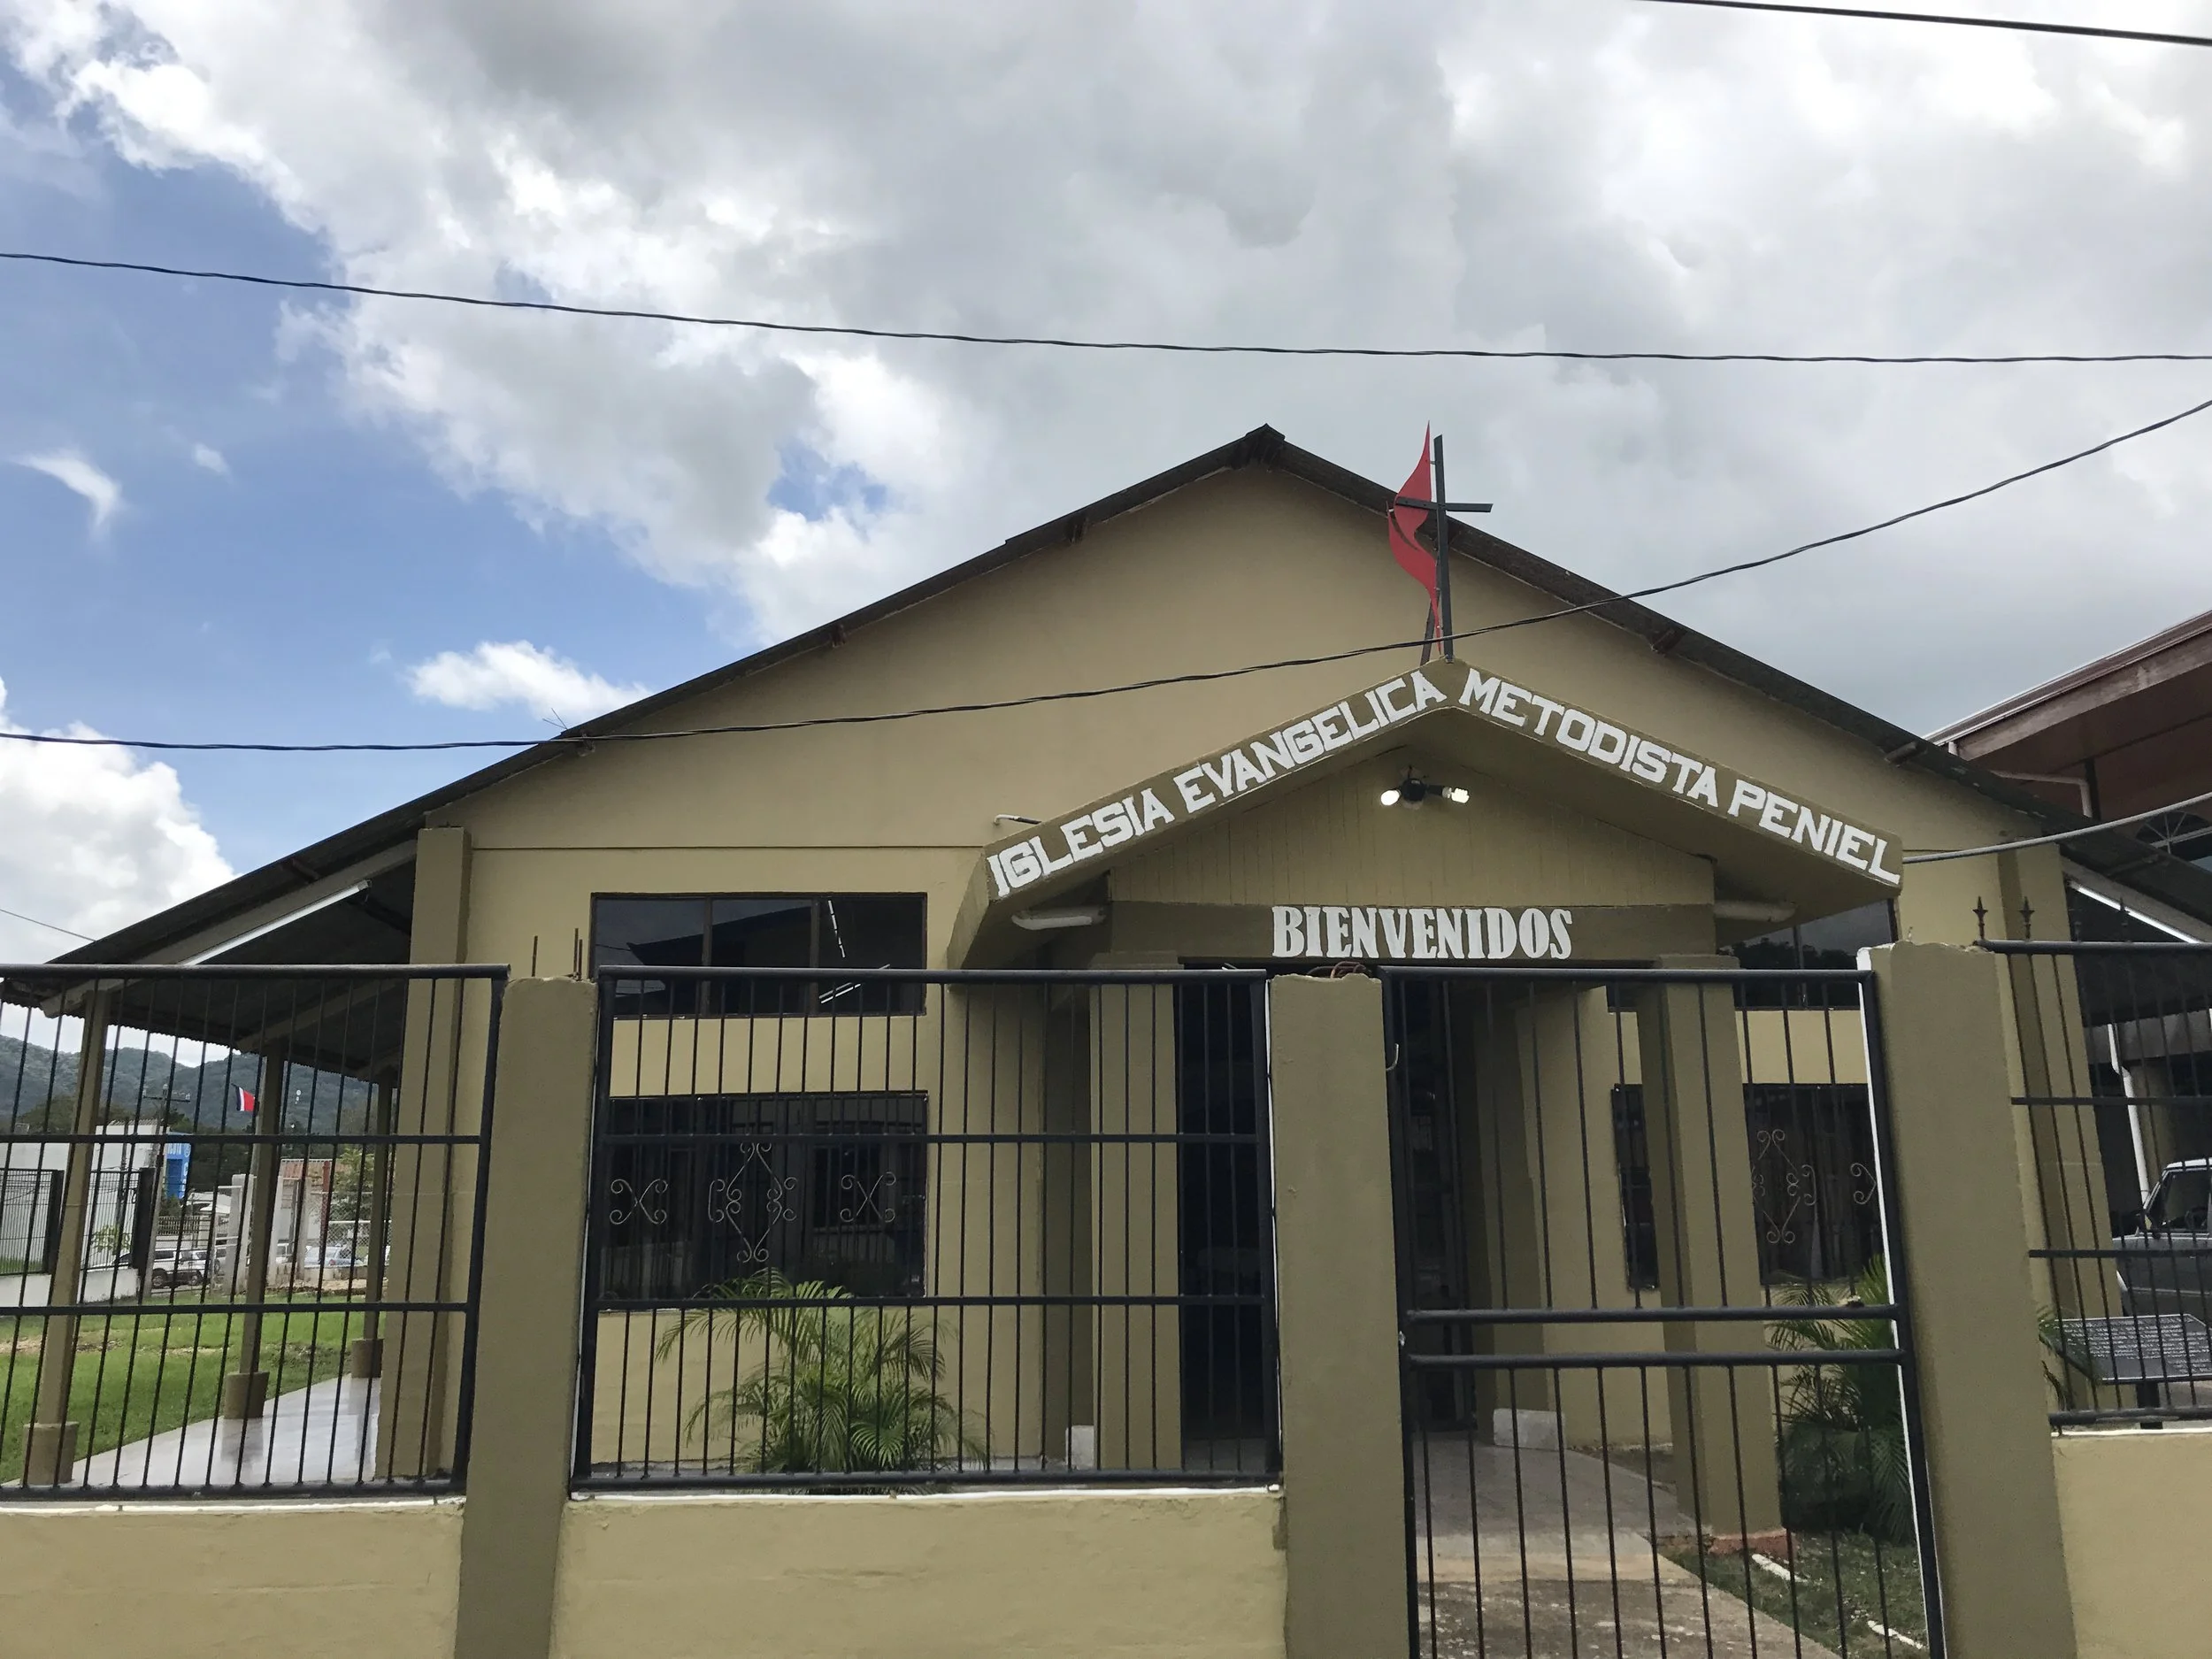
(1225,1245)
(1656,1383)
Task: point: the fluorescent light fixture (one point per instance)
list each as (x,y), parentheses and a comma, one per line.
(224,947)
(1752,910)
(1044,921)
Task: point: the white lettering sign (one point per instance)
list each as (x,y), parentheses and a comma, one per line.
(1340,932)
(1753,804)
(1207,784)
(1594,740)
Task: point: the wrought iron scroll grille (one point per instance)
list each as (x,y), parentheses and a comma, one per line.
(2114,1084)
(902,1229)
(241,1227)
(1657,1372)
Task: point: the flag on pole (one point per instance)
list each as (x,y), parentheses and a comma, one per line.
(245,1097)
(1405,526)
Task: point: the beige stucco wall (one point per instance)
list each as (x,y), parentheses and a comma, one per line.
(1331,838)
(181,1581)
(2136,1505)
(1249,564)
(1013,1573)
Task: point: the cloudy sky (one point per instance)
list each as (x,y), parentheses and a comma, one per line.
(226,513)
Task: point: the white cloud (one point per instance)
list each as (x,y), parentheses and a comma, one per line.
(96,839)
(73,472)
(209,459)
(497,673)
(1392,171)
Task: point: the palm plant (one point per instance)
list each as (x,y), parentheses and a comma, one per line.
(841,1387)
(2072,1354)
(1842,1429)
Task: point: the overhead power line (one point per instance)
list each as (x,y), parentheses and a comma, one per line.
(2063,835)
(2024,25)
(1185,348)
(1195,677)
(53,926)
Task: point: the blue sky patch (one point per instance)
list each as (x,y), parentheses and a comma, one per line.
(814,489)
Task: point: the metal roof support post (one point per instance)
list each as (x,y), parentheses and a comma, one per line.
(246,1388)
(366,1357)
(50,1441)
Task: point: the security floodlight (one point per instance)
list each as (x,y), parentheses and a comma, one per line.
(1412,789)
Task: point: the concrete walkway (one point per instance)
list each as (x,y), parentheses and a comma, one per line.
(1549,1555)
(320,1435)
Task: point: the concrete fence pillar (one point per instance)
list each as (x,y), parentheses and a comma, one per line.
(1957,1186)
(525,1415)
(1337,1298)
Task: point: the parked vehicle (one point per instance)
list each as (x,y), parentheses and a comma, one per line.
(2166,1262)
(176,1264)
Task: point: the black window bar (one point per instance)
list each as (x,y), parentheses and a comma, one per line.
(894,1230)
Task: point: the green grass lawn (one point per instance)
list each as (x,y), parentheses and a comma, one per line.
(158,1364)
(1846,1583)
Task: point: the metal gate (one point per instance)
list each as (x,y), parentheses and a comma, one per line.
(1656,1368)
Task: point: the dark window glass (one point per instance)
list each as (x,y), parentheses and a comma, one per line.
(2182,1202)
(701,1191)
(649,933)
(871,930)
(1834,941)
(1632,1154)
(798,932)
(762,934)
(1813,1191)
(1222,1233)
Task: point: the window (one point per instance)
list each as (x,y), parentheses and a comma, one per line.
(1631,1155)
(1834,941)
(1813,1191)
(703,1190)
(794,931)
(2181,1201)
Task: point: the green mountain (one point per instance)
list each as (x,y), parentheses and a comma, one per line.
(38,1090)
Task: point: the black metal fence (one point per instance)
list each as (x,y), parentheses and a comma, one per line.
(240,1227)
(899,1228)
(1657,1371)
(2114,1063)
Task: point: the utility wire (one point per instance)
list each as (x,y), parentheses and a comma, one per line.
(2063,835)
(2024,24)
(54,926)
(1075,344)
(1198,676)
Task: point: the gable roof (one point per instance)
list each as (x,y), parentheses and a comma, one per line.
(2115,855)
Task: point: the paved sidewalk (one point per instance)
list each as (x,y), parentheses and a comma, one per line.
(1548,1554)
(324,1434)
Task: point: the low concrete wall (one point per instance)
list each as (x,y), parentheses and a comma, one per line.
(184,1581)
(2136,1505)
(1093,1573)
